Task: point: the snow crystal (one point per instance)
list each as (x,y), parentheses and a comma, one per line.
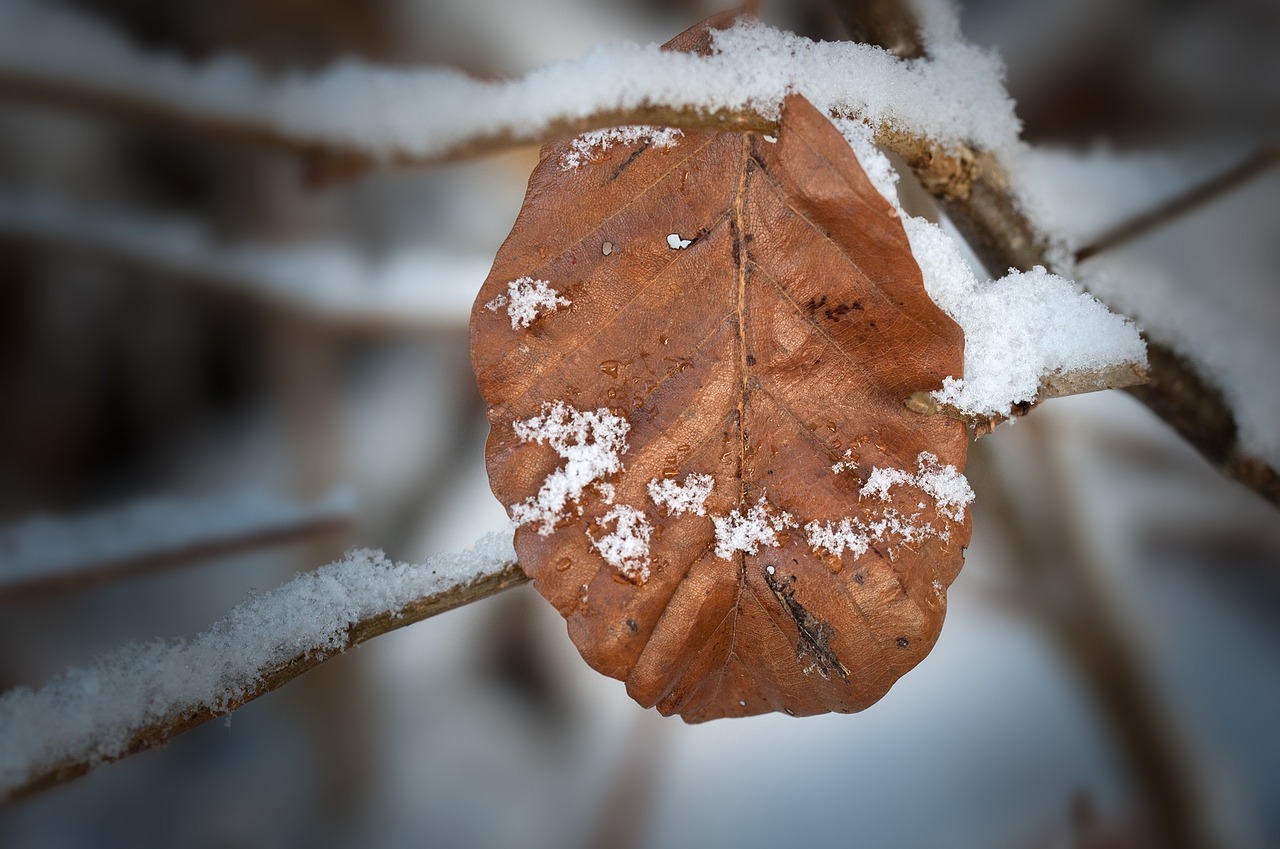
(90,714)
(857,535)
(845,464)
(526,299)
(682,498)
(949,488)
(627,547)
(44,547)
(584,148)
(676,243)
(835,538)
(1019,329)
(591,444)
(736,532)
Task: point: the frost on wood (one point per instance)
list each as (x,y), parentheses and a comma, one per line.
(1020,331)
(92,714)
(1239,359)
(956,94)
(1023,331)
(44,548)
(746,365)
(527,299)
(1073,197)
(591,444)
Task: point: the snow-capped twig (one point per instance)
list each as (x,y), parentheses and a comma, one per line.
(44,554)
(437,113)
(137,697)
(1196,196)
(420,289)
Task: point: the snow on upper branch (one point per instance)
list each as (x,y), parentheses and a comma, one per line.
(957,94)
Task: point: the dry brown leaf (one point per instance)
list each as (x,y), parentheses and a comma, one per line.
(696,357)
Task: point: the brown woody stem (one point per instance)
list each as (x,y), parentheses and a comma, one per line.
(158,732)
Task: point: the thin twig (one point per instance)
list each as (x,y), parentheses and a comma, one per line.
(44,734)
(164,559)
(1181,204)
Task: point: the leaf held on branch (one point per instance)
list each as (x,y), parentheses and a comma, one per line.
(703,437)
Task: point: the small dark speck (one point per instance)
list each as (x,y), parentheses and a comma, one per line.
(860,579)
(903,642)
(631,624)
(751,360)
(769,472)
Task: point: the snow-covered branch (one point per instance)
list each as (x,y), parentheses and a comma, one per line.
(422,288)
(429,114)
(44,552)
(137,697)
(947,115)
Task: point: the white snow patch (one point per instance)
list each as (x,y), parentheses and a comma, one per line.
(585,147)
(592,444)
(845,464)
(526,299)
(736,532)
(88,714)
(1018,329)
(682,498)
(676,243)
(627,547)
(878,168)
(857,535)
(836,537)
(950,489)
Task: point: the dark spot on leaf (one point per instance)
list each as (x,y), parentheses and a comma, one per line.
(813,648)
(903,642)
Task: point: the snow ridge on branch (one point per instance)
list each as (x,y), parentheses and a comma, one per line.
(137,696)
(956,95)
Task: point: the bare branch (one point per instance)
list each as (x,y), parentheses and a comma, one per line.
(164,559)
(138,697)
(46,553)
